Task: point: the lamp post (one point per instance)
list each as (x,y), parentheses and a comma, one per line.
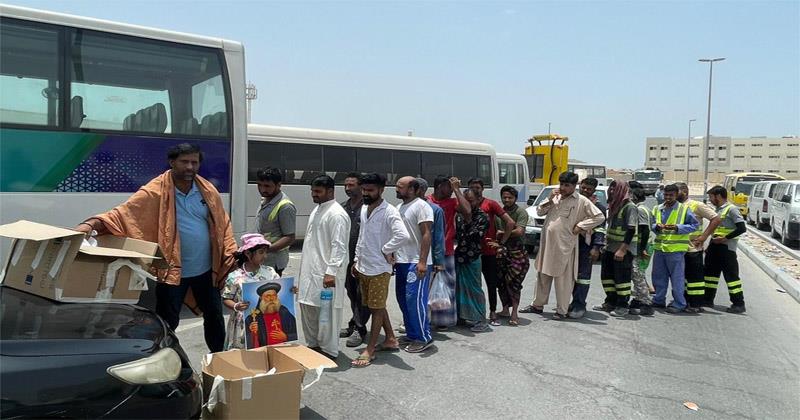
(250,94)
(689,149)
(711,62)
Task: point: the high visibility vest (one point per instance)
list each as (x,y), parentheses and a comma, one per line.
(274,215)
(723,213)
(617,232)
(668,241)
(693,206)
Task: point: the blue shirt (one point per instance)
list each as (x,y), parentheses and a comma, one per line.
(437,234)
(191,213)
(690,223)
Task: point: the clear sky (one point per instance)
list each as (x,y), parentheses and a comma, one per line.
(606,74)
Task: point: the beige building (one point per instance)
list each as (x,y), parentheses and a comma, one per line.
(778,155)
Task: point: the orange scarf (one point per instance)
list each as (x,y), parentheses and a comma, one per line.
(150,215)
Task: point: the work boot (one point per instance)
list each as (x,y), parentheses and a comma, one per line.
(345,332)
(694,309)
(646,310)
(635,307)
(673,310)
(736,309)
(707,304)
(605,307)
(620,312)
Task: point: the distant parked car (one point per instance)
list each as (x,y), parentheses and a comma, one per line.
(73,360)
(533,230)
(785,201)
(758,205)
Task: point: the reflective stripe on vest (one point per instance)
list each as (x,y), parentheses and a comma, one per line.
(671,242)
(723,231)
(617,233)
(693,207)
(274,213)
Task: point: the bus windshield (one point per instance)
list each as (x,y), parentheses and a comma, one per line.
(744,187)
(647,176)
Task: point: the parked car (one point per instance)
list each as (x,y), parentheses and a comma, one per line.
(785,219)
(758,205)
(533,230)
(74,360)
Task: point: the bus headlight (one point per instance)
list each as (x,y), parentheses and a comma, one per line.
(164,366)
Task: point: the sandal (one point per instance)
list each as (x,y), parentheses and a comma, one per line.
(388,349)
(530,309)
(362,360)
(513,323)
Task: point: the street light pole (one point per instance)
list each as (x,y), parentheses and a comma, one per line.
(689,149)
(711,62)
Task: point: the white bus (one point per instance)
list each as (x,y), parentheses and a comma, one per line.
(304,153)
(513,170)
(89,109)
(588,170)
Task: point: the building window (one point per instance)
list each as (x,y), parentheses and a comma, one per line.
(663,159)
(793,144)
(738,157)
(791,172)
(755,157)
(738,145)
(774,157)
(680,145)
(695,145)
(680,156)
(692,170)
(756,145)
(721,159)
(653,148)
(679,170)
(722,147)
(773,171)
(774,145)
(693,156)
(652,159)
(791,157)
(664,147)
(737,170)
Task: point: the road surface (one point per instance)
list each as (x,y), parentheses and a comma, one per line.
(731,366)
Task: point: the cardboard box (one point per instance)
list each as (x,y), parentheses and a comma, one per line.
(244,390)
(49,261)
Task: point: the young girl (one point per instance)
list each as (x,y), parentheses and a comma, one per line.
(249,258)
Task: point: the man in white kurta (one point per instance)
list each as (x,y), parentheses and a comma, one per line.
(569,217)
(323,266)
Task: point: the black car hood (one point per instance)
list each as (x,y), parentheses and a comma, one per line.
(34,326)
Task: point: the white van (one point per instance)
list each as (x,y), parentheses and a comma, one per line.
(785,220)
(758,205)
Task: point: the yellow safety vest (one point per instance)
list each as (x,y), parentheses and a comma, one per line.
(693,207)
(617,233)
(723,231)
(671,242)
(274,215)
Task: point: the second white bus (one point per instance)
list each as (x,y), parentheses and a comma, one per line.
(304,153)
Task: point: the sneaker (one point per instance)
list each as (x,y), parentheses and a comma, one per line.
(635,311)
(480,327)
(646,310)
(576,313)
(355,339)
(674,310)
(418,346)
(620,312)
(605,307)
(401,329)
(345,332)
(736,309)
(694,309)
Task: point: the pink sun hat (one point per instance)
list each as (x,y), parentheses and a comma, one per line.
(252,240)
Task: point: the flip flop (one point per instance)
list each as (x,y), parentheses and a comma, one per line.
(381,347)
(513,323)
(530,309)
(362,358)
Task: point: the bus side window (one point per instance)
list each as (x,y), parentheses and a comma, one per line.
(404,163)
(338,162)
(29,75)
(374,160)
(465,167)
(261,154)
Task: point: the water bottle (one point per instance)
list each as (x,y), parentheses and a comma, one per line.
(325,298)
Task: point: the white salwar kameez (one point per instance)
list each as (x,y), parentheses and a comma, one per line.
(324,253)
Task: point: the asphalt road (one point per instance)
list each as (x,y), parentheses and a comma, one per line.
(731,366)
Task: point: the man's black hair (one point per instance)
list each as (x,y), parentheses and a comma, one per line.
(373,179)
(355,175)
(323,181)
(509,189)
(592,182)
(184,149)
(682,186)
(671,188)
(270,174)
(439,180)
(568,178)
(718,190)
(635,184)
(475,181)
(638,194)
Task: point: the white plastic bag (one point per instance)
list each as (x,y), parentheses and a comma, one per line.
(439,298)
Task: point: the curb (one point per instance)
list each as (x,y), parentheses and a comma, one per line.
(789,284)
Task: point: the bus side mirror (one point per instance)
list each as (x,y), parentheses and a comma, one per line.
(786,199)
(733,189)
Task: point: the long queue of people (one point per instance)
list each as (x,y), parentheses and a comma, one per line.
(447,241)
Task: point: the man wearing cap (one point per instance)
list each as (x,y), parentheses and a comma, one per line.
(323,267)
(270,323)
